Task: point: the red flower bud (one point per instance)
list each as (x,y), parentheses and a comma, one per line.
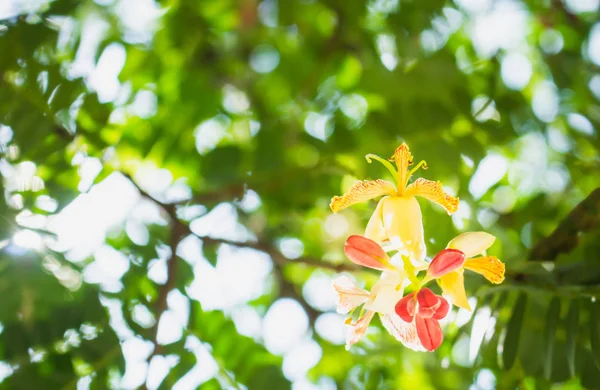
(366,252)
(446,261)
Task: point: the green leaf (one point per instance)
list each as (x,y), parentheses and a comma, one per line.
(572,329)
(595,331)
(210,251)
(510,347)
(251,363)
(552,318)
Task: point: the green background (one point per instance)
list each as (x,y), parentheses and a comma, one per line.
(177,158)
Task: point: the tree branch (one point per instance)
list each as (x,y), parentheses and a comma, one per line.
(287,288)
(583,218)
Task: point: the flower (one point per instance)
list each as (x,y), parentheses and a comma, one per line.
(449,265)
(425,309)
(397,218)
(381,299)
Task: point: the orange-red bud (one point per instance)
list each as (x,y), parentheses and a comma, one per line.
(366,252)
(446,261)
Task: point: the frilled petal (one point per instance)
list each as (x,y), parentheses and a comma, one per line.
(472,243)
(446,261)
(429,303)
(362,191)
(406,307)
(403,159)
(404,332)
(350,295)
(488,266)
(357,330)
(403,221)
(432,190)
(362,251)
(442,311)
(429,332)
(375,230)
(453,286)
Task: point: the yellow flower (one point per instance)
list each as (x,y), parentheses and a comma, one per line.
(450,264)
(397,220)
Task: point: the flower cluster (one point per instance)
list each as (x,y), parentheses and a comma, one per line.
(396,227)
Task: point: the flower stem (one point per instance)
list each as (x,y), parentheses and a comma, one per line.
(410,270)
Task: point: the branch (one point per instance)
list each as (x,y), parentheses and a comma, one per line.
(178,231)
(232,192)
(287,288)
(279,258)
(171,210)
(583,218)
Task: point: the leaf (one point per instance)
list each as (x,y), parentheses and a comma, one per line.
(590,374)
(510,347)
(595,331)
(251,363)
(572,329)
(552,317)
(210,251)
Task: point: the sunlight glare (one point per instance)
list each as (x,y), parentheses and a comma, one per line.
(27,239)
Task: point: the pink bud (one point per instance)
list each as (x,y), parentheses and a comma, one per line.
(365,252)
(446,261)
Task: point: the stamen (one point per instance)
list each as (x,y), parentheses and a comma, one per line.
(348,321)
(385,163)
(421,164)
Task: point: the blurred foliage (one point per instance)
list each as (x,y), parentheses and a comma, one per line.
(276,103)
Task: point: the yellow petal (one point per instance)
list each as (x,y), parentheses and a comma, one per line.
(362,191)
(404,332)
(488,266)
(349,294)
(453,286)
(358,330)
(403,159)
(432,190)
(403,223)
(472,243)
(374,230)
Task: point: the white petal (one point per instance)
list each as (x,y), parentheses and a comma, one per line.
(384,295)
(385,300)
(404,332)
(350,295)
(472,243)
(358,330)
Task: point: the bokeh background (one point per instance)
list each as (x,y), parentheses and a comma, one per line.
(167,168)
